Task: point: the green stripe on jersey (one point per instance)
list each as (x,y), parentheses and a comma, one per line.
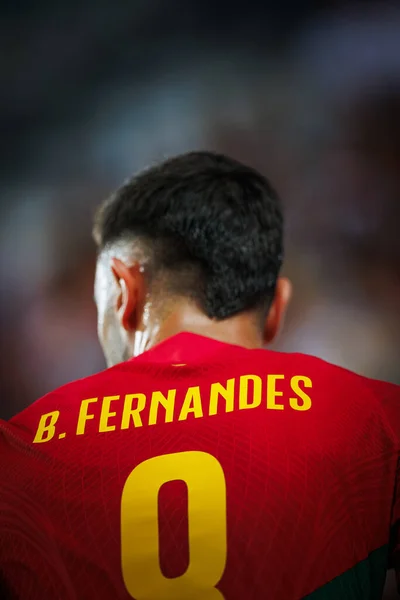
(364,581)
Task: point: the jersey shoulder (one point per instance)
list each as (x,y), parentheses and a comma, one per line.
(342,386)
(387,397)
(383,395)
(21,459)
(65,395)
(381,390)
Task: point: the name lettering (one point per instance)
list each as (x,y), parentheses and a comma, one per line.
(274,392)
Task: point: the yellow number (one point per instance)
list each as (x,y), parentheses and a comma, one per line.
(141,571)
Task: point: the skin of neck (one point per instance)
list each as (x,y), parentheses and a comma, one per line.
(146,315)
(241,330)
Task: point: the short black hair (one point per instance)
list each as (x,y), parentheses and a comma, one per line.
(214,225)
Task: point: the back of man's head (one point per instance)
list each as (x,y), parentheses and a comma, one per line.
(211,227)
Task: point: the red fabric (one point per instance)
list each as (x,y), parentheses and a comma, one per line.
(309,493)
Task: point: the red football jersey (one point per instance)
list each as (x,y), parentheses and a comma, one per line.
(202,470)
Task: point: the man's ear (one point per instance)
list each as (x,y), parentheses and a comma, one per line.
(276,314)
(130,284)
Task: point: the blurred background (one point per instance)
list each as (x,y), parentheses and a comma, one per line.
(93,91)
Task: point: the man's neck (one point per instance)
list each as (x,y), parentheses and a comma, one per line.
(240,330)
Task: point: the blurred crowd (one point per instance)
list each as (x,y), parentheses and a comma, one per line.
(321,118)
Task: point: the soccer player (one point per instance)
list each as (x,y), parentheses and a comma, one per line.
(199,465)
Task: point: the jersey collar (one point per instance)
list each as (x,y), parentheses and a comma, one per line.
(183,348)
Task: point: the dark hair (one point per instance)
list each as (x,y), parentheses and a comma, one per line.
(212,223)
